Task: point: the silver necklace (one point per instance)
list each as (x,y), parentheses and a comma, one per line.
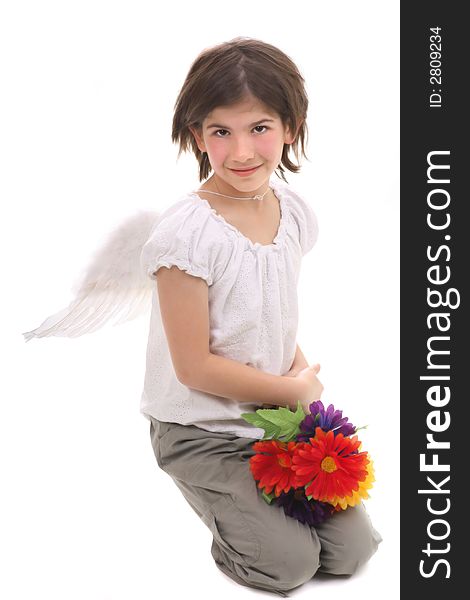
(257,197)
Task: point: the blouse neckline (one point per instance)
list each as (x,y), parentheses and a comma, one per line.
(281,232)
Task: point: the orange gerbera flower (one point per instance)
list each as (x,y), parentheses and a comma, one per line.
(361,494)
(274,467)
(331,464)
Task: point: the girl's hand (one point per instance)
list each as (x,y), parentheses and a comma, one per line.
(299,363)
(310,387)
(293,372)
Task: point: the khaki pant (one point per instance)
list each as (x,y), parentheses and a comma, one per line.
(254,543)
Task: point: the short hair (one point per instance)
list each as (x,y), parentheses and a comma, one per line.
(223,75)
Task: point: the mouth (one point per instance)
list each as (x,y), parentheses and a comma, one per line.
(246,171)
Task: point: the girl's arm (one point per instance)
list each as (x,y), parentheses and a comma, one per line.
(184,308)
(232,379)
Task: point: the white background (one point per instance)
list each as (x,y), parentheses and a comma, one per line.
(86,108)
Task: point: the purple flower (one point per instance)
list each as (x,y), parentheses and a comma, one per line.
(295,504)
(329,420)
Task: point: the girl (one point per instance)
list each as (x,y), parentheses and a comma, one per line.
(223,264)
(223,330)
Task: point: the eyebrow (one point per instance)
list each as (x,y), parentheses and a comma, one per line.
(252,124)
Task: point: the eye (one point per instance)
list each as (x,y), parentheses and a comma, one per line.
(216,133)
(258,127)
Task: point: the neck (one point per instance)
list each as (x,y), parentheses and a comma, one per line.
(215,184)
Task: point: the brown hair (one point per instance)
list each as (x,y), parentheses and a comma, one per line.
(225,74)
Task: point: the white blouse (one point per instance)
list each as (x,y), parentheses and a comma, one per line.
(253,309)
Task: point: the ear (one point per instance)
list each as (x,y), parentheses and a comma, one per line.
(289,138)
(198,137)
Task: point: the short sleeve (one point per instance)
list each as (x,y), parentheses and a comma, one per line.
(185,237)
(305,220)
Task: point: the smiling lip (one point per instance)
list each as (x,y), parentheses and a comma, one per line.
(244,172)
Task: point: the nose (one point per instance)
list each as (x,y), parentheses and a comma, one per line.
(242,149)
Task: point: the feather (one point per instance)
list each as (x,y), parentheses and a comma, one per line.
(113,287)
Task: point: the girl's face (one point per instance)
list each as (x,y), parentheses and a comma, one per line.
(244,143)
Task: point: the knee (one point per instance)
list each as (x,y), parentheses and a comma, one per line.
(279,567)
(294,564)
(357,542)
(356,551)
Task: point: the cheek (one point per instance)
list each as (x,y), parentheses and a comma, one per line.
(270,146)
(215,150)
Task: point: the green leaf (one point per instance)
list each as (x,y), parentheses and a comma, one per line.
(277,423)
(268,497)
(270,430)
(362,427)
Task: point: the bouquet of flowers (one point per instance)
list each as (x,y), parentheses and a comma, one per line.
(311,465)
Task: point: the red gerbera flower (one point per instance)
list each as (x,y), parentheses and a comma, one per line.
(331,464)
(274,468)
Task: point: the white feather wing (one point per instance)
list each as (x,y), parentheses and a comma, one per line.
(113,288)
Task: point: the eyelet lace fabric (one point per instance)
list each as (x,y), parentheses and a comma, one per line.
(253,309)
